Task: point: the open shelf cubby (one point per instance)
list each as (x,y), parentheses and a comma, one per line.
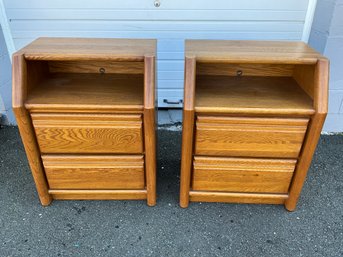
(84,84)
(253,88)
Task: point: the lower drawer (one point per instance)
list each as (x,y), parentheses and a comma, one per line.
(94,172)
(242,174)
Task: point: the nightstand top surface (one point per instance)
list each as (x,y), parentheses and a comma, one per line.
(89,49)
(248,51)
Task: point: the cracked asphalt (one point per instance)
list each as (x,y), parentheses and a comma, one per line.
(131,228)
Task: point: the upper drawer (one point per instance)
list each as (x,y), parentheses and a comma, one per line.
(85,133)
(258,137)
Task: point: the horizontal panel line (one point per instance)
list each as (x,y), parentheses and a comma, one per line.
(144,21)
(162,31)
(159,9)
(178,31)
(163,20)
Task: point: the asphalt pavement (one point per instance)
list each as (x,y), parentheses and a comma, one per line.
(131,228)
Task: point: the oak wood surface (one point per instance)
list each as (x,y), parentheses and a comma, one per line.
(251,95)
(89,49)
(321,85)
(252,99)
(250,51)
(103,67)
(245,69)
(258,198)
(304,76)
(150,129)
(88,91)
(25,128)
(255,137)
(190,80)
(187,131)
(242,174)
(82,133)
(94,171)
(88,96)
(137,194)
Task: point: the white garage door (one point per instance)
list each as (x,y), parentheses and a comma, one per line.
(171,22)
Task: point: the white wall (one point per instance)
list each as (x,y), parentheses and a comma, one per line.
(5,83)
(327,37)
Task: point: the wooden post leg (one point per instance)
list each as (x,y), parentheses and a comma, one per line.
(150,155)
(186,157)
(33,154)
(321,81)
(305,159)
(187,131)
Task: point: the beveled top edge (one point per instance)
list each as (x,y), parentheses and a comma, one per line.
(251,51)
(57,48)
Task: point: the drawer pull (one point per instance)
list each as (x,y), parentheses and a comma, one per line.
(102,70)
(172,102)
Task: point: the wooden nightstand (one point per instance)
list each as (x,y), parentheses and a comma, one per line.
(253,113)
(85,109)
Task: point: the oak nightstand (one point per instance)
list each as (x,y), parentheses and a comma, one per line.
(253,113)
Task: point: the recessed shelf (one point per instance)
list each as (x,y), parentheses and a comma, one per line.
(99,91)
(251,94)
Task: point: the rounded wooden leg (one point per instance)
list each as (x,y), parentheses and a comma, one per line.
(45,201)
(290,206)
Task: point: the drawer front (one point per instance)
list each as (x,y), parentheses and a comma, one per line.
(242,174)
(94,172)
(255,137)
(84,133)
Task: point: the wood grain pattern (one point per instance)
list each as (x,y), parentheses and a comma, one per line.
(149,129)
(189,89)
(253,99)
(231,69)
(321,87)
(149,82)
(107,67)
(98,194)
(89,49)
(251,95)
(88,91)
(187,131)
(82,133)
(205,196)
(26,129)
(242,174)
(256,137)
(249,51)
(304,75)
(94,171)
(91,98)
(38,71)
